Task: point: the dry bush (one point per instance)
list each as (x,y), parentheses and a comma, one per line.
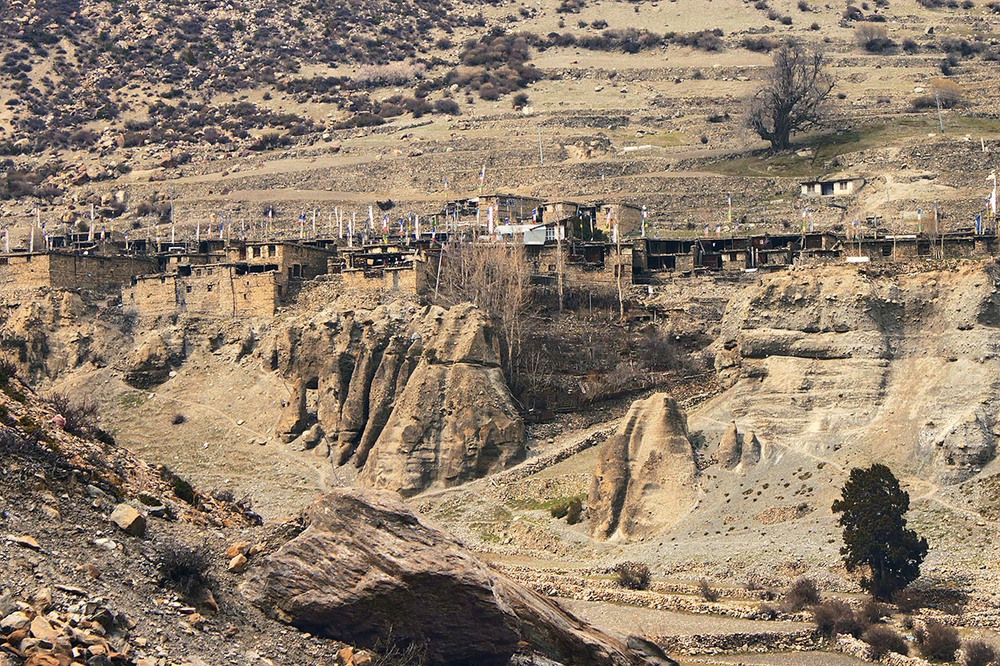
(872,611)
(884,640)
(632,575)
(80,415)
(392,74)
(183,568)
(802,593)
(873,39)
(937,641)
(978,653)
(836,617)
(8,370)
(706,591)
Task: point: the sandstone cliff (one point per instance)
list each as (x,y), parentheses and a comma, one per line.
(414,397)
(367,570)
(839,363)
(645,479)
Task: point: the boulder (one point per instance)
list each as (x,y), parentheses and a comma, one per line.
(14,621)
(154,357)
(129,520)
(645,480)
(367,570)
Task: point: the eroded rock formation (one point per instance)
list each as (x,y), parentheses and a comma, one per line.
(645,480)
(738,450)
(414,397)
(897,367)
(366,569)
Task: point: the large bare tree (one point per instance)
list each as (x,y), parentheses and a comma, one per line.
(793,97)
(497,278)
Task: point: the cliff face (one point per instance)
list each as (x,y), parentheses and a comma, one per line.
(645,477)
(840,364)
(413,397)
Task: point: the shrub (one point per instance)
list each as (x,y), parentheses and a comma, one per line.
(183,569)
(884,640)
(873,39)
(937,641)
(180,487)
(763,44)
(269,141)
(575,511)
(767,612)
(872,611)
(978,653)
(910,45)
(8,370)
(559,509)
(519,101)
(447,106)
(706,591)
(802,593)
(632,575)
(80,415)
(360,120)
(178,419)
(835,617)
(489,92)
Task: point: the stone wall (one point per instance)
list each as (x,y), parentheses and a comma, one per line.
(403,280)
(218,291)
(71,271)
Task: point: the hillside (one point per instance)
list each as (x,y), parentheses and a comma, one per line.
(304,109)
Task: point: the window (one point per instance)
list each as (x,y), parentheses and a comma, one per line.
(188,289)
(197,272)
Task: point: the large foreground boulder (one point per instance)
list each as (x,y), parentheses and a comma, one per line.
(366,570)
(645,477)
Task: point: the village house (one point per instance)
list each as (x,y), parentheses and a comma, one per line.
(212,291)
(836,186)
(64,270)
(291,260)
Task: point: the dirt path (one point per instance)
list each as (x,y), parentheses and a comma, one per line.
(322,471)
(650,622)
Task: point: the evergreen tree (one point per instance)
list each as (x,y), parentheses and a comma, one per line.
(873,514)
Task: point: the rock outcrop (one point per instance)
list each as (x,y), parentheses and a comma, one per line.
(846,365)
(730,448)
(738,450)
(645,480)
(366,570)
(414,397)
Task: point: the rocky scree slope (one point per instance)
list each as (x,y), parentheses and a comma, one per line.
(87,535)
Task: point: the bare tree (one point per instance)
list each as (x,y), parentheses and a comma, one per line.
(793,97)
(497,278)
